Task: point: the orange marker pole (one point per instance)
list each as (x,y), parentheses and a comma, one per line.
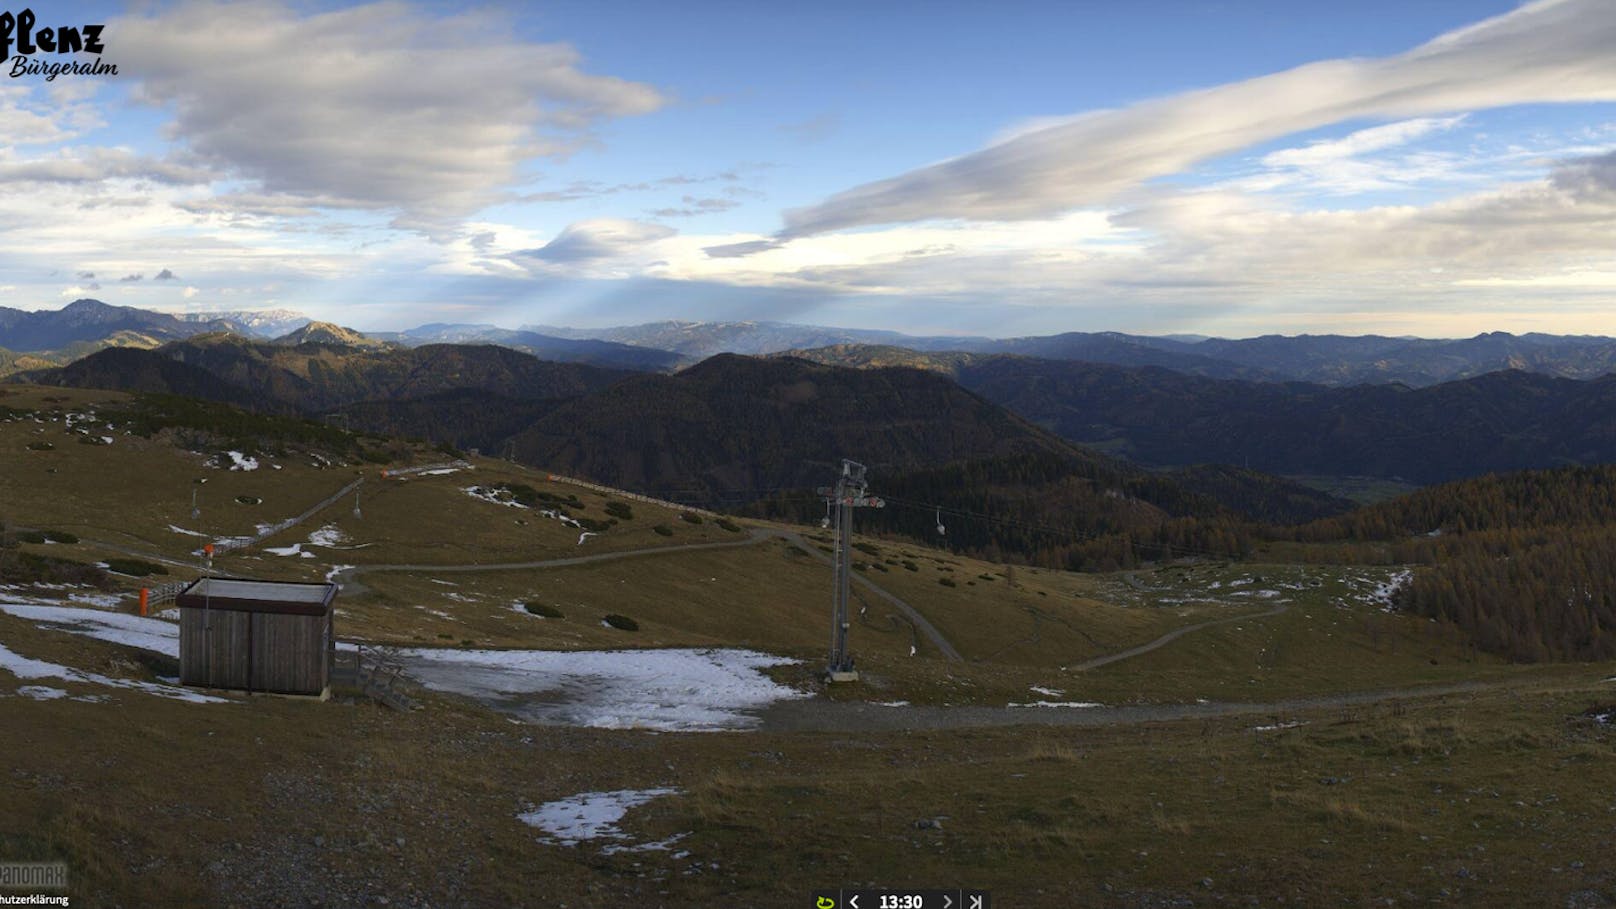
(145,594)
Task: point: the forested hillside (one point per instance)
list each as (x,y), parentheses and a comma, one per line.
(1524,562)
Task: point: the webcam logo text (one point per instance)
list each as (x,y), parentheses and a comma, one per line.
(17,31)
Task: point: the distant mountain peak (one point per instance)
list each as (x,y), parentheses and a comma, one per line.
(327,333)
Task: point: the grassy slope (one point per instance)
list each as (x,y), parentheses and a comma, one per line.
(1484,798)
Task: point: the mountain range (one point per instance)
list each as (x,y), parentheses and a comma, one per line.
(31,339)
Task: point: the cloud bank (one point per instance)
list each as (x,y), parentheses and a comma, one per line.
(1548,51)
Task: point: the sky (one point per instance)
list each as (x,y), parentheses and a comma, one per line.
(1234,168)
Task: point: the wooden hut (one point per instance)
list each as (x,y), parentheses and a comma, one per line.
(274,636)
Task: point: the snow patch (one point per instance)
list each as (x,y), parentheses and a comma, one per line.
(1082,704)
(239,461)
(189,533)
(1384,592)
(588,815)
(492,496)
(676,689)
(113,627)
(329,535)
(24,668)
(96,600)
(1047,692)
(1278,726)
(41,692)
(296,549)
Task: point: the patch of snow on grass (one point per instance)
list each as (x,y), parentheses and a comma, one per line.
(114,627)
(97,600)
(676,689)
(1278,726)
(189,533)
(24,668)
(1383,592)
(588,815)
(493,496)
(239,461)
(1058,704)
(1047,692)
(41,692)
(329,535)
(296,549)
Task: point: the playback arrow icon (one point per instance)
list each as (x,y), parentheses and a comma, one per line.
(852,902)
(948,901)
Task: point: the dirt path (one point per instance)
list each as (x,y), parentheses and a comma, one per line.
(757,535)
(820,715)
(1168,638)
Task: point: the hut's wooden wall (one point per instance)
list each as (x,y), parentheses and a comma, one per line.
(258,651)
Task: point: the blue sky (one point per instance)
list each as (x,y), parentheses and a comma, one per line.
(1233,168)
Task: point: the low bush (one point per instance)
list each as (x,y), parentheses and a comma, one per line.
(621,622)
(61,536)
(135,567)
(690,517)
(728,525)
(542,610)
(620,510)
(663,530)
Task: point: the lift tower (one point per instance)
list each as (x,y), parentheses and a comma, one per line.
(850,492)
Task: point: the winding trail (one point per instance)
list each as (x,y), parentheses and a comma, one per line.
(821,715)
(1168,638)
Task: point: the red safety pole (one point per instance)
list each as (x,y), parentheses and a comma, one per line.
(145,594)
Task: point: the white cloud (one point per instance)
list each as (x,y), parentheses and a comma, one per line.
(1548,51)
(376,106)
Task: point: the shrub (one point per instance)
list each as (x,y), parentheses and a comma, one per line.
(986,577)
(543,611)
(728,525)
(522,493)
(621,622)
(30,536)
(61,536)
(41,446)
(664,530)
(249,500)
(620,510)
(594,526)
(867,548)
(690,517)
(910,565)
(947,582)
(135,567)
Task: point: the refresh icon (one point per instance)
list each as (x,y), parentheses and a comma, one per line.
(825,902)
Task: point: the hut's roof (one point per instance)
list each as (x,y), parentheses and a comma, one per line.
(257,596)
